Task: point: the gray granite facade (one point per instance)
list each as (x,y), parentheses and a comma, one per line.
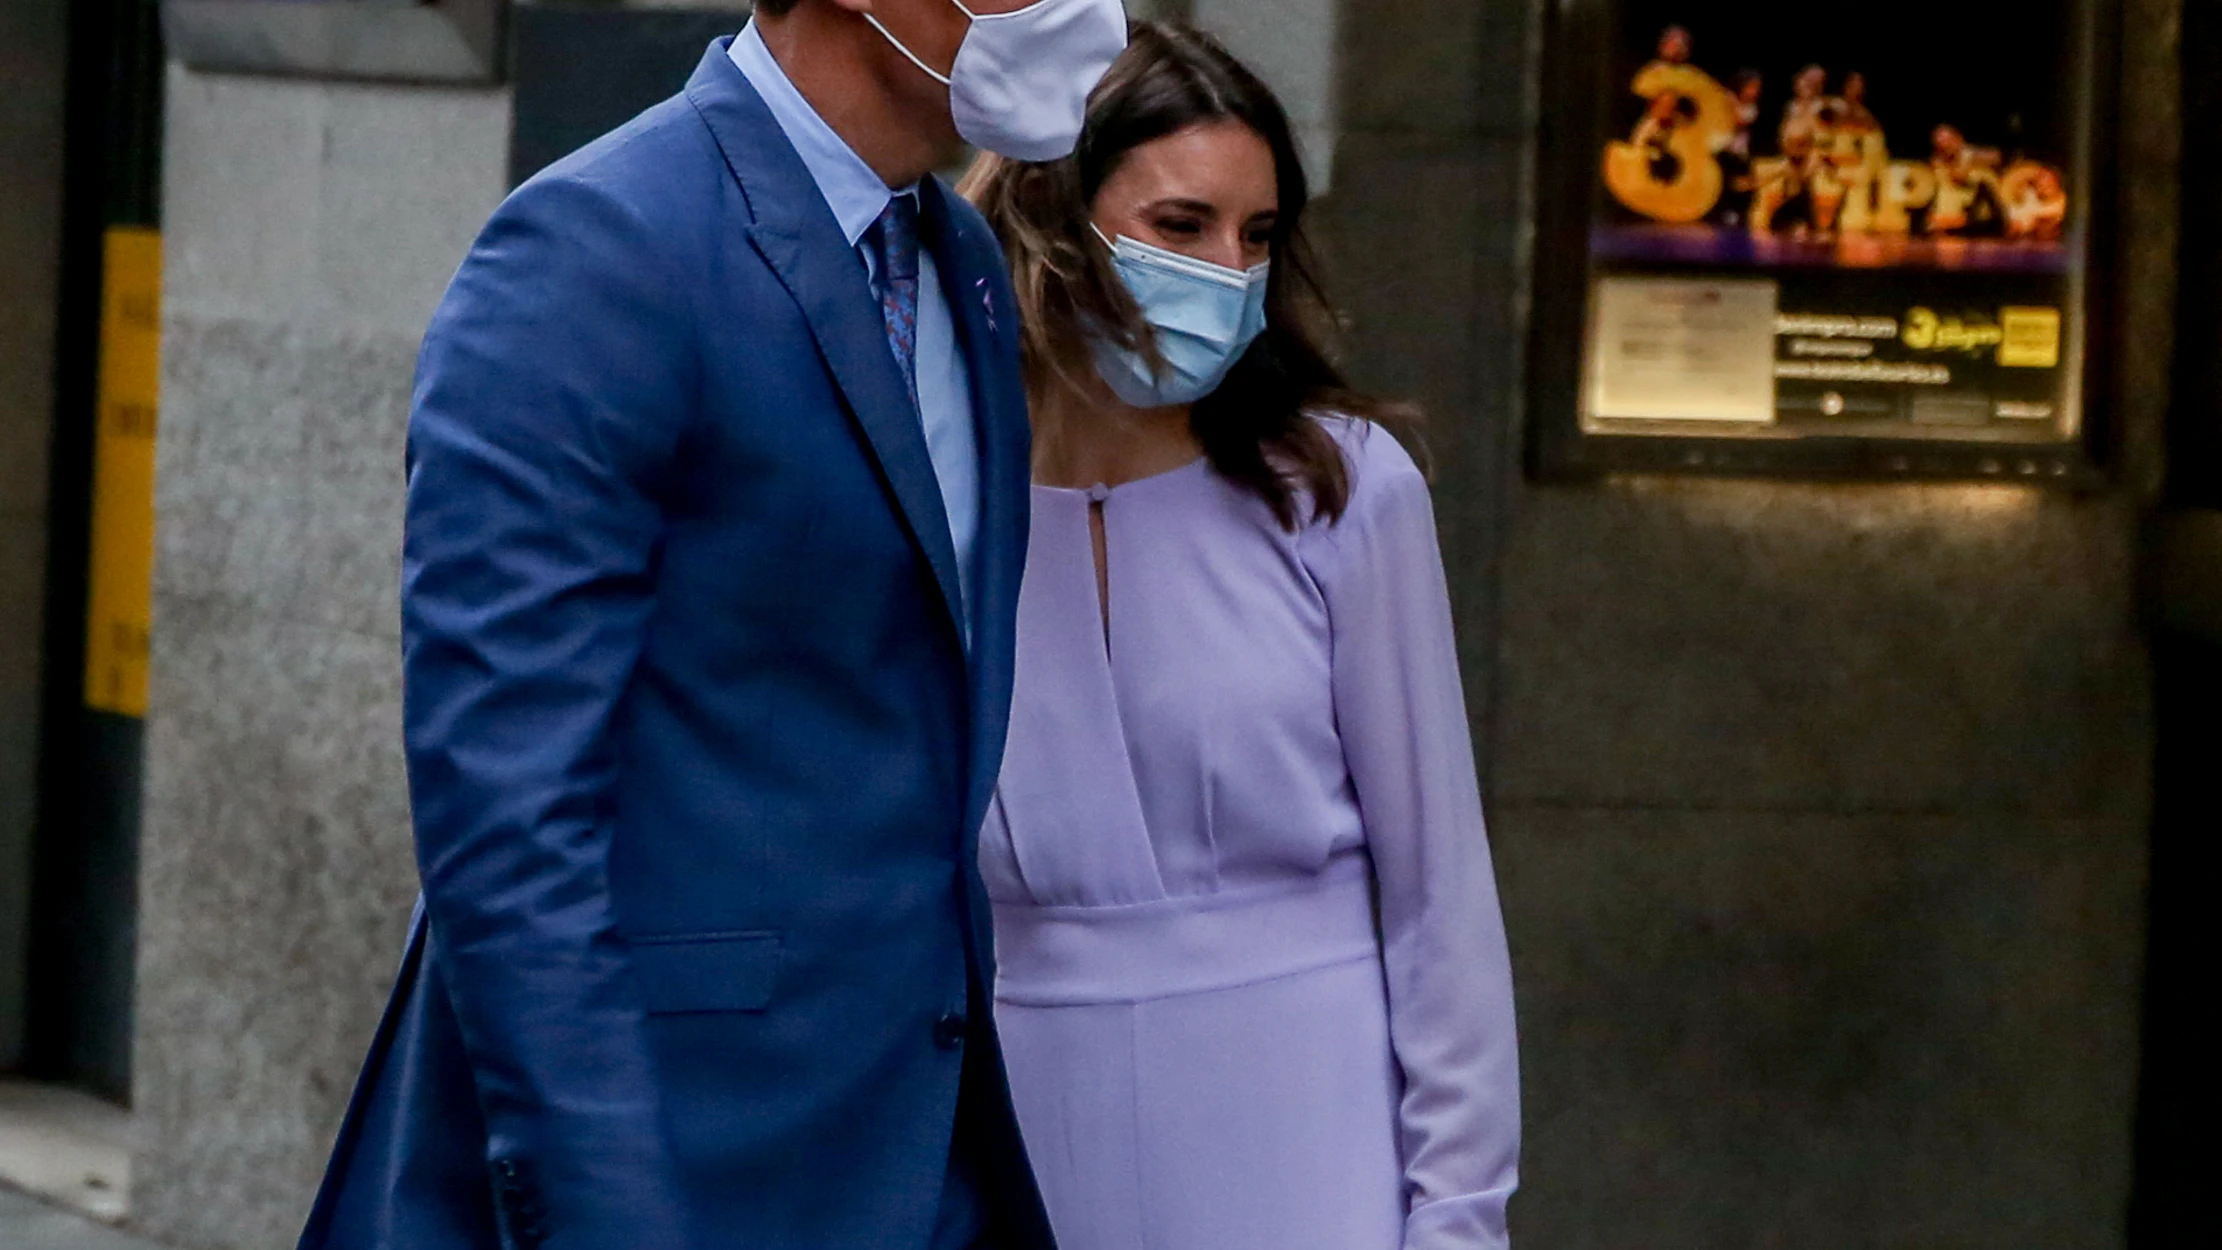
(311,228)
(32,54)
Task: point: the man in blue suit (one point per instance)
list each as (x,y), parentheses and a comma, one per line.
(717,504)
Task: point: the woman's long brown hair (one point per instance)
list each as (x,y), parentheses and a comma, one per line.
(1256,429)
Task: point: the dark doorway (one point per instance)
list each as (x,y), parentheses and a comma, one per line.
(578,72)
(2180,1093)
(85,865)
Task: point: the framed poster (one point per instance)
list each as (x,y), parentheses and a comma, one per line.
(1822,241)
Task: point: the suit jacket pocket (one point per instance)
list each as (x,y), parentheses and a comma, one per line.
(682,973)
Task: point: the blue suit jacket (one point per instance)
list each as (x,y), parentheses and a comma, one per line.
(696,752)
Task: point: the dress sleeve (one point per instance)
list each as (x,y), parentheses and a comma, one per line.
(1402,717)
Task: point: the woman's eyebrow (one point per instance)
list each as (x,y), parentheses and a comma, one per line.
(1176,204)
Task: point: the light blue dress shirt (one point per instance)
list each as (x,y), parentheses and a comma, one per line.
(857,197)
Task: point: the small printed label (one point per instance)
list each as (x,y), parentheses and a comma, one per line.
(1676,349)
(2032,338)
(123,474)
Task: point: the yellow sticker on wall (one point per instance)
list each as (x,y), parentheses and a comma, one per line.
(122,573)
(2032,338)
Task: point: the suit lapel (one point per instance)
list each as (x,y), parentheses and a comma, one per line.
(973,278)
(796,234)
(799,239)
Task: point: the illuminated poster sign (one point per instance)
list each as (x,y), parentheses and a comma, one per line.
(1814,240)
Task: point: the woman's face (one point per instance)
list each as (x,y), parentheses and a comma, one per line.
(1208,191)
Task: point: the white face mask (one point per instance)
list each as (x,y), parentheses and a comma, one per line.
(1019,86)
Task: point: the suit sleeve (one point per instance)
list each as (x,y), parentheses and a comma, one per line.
(1402,715)
(551,400)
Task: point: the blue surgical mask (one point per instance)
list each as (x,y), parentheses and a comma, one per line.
(1204,316)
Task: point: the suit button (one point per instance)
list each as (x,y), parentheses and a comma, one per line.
(949,1031)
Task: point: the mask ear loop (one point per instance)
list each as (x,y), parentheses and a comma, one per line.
(929,70)
(1147,338)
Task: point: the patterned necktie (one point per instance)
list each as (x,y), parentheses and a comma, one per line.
(894,241)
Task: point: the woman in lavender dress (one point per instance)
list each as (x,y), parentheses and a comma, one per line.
(1253,989)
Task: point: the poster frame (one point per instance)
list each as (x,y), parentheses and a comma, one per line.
(1578,97)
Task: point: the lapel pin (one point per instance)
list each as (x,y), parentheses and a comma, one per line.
(987,305)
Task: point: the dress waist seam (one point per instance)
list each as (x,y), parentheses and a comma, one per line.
(1077,955)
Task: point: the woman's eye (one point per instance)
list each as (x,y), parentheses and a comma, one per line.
(1260,238)
(1182,226)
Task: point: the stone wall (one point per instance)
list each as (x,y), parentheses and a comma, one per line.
(1820,811)
(33,55)
(310,229)
(1291,45)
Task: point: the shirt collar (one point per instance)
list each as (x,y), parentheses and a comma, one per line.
(856,195)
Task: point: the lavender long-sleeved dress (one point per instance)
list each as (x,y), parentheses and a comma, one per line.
(1215,1041)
